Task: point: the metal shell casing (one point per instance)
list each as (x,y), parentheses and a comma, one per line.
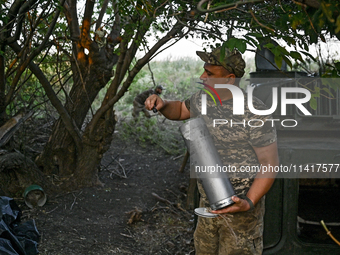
(203,153)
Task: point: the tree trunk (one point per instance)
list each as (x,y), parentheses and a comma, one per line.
(61,155)
(93,150)
(2,88)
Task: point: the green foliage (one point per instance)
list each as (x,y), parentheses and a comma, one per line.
(332,70)
(177,76)
(298,25)
(29,95)
(246,26)
(232,43)
(153,132)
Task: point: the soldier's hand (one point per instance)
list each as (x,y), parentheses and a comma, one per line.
(154,101)
(240,205)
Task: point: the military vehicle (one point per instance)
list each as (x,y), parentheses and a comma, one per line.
(296,205)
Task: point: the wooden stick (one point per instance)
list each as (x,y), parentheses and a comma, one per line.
(161,199)
(186,157)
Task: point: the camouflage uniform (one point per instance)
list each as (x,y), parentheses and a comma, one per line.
(234,144)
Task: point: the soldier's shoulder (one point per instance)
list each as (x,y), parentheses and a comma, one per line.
(257,103)
(197,95)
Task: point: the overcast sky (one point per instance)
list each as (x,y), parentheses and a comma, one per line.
(188,48)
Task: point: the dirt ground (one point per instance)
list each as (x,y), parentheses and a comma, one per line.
(96,220)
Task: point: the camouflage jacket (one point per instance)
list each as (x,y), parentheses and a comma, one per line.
(234,142)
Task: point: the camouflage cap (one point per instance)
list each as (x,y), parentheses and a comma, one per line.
(232,60)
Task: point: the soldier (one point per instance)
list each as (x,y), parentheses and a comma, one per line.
(240,231)
(138,102)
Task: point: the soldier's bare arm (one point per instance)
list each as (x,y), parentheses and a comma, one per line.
(173,110)
(267,156)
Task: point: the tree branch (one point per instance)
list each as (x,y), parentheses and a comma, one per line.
(101,14)
(28,60)
(112,90)
(141,30)
(124,61)
(311,3)
(67,120)
(197,29)
(21,15)
(169,45)
(86,26)
(12,14)
(2,87)
(225,6)
(70,8)
(258,22)
(138,66)
(116,28)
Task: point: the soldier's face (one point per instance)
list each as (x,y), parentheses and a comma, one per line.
(214,74)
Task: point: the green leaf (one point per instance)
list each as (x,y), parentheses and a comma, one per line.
(335,73)
(305,46)
(60,8)
(317,90)
(251,41)
(309,55)
(313,37)
(237,43)
(327,10)
(321,22)
(222,53)
(287,61)
(269,46)
(331,83)
(231,43)
(337,65)
(278,61)
(313,104)
(328,91)
(258,35)
(337,25)
(242,46)
(296,55)
(290,40)
(276,51)
(283,50)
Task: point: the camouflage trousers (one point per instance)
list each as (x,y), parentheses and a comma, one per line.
(137,108)
(234,234)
